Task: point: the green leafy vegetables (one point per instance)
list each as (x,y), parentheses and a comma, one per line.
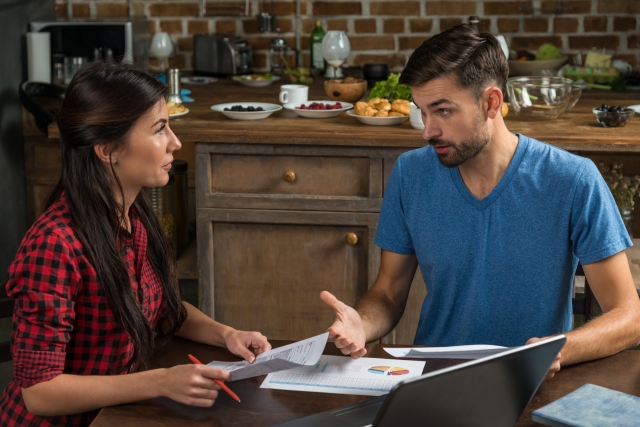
(391,89)
(548,51)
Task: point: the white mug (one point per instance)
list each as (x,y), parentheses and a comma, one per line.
(415,116)
(293,93)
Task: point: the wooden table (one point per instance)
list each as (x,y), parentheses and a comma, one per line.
(266,407)
(575,130)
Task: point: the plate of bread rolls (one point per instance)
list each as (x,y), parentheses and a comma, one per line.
(381,112)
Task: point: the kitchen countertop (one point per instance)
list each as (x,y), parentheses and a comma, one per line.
(575,130)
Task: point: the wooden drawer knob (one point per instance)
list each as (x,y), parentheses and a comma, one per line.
(289,176)
(351,239)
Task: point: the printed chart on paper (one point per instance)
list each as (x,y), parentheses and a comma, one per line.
(343,375)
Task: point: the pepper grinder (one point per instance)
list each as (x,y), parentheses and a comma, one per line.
(173,80)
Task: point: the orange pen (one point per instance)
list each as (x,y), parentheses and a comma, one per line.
(220,383)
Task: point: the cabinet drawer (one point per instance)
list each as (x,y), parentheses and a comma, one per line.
(295,175)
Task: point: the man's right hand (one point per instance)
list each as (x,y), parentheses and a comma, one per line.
(347,328)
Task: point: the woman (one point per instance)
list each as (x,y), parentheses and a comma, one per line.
(95,279)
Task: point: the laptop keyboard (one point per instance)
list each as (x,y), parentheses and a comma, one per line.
(361,414)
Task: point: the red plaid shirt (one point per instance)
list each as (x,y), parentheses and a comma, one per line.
(62,322)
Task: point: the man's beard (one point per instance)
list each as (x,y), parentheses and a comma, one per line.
(459,153)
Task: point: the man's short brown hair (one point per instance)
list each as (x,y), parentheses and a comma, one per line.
(474,58)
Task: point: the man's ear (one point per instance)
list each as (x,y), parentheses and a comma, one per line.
(103,151)
(493,100)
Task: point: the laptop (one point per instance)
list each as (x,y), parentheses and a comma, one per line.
(491,391)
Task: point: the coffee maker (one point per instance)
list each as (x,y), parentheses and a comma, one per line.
(281,56)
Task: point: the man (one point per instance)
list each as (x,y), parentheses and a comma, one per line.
(497,223)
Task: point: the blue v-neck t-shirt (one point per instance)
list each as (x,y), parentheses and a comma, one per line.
(499,270)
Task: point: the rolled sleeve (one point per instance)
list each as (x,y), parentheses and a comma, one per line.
(597,228)
(393,234)
(44,280)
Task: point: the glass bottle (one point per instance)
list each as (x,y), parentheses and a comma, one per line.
(474,20)
(317,61)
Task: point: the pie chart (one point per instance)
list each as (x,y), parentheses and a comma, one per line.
(398,371)
(380,370)
(388,370)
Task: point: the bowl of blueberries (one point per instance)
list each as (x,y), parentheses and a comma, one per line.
(247,110)
(611,116)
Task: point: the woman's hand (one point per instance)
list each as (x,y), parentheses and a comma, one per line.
(246,344)
(191,384)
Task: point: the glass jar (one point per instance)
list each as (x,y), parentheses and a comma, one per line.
(281,56)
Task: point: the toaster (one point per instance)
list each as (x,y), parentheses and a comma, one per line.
(221,55)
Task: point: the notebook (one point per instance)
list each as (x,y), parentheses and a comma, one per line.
(591,406)
(493,390)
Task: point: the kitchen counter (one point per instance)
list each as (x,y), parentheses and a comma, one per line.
(576,130)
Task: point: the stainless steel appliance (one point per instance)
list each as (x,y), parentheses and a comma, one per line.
(123,40)
(221,55)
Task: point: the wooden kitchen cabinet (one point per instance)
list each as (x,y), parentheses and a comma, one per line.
(268,268)
(278,224)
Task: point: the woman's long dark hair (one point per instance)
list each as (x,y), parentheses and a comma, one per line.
(101,105)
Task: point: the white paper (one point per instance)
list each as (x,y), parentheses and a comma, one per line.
(366,376)
(474,351)
(301,353)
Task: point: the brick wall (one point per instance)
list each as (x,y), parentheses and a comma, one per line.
(381,30)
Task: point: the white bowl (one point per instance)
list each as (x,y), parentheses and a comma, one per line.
(317,114)
(379,121)
(268,108)
(415,118)
(244,80)
(527,68)
(171,116)
(417,125)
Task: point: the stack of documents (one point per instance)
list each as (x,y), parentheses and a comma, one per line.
(366,376)
(302,367)
(302,353)
(475,351)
